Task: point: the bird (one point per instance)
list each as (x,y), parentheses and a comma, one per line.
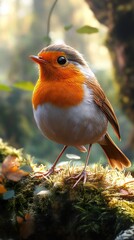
(71,108)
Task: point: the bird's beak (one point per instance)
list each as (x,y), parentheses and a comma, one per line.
(37,59)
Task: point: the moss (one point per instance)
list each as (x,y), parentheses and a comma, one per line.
(6,150)
(51,209)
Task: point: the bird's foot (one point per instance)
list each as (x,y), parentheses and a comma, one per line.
(79,177)
(44,174)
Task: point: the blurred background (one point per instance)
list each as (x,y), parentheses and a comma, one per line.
(24,30)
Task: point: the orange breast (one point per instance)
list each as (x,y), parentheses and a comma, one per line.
(63,93)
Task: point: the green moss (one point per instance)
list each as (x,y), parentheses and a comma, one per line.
(100,209)
(6,150)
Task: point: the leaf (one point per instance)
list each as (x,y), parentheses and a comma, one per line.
(19,219)
(1,178)
(72,156)
(27,227)
(27,86)
(9,164)
(17,175)
(4,87)
(2,189)
(68,27)
(10,169)
(87,29)
(8,195)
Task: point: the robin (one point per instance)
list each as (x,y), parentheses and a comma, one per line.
(71,108)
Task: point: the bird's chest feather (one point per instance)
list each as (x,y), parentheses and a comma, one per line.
(75,125)
(62,93)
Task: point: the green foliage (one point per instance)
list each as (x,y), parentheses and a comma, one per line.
(68,27)
(23,85)
(6,150)
(87,30)
(26,86)
(4,87)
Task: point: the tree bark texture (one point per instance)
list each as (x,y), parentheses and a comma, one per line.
(118,16)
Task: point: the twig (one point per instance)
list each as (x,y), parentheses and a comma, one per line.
(49,18)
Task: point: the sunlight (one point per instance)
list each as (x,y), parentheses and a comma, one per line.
(5,7)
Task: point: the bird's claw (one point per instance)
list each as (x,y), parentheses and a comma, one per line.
(44,174)
(79,177)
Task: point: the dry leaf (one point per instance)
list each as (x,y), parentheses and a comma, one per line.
(1,178)
(19,219)
(2,189)
(10,169)
(16,176)
(26,226)
(28,216)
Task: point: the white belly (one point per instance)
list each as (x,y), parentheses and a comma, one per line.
(75,126)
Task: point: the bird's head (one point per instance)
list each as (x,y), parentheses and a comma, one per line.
(59,61)
(62,76)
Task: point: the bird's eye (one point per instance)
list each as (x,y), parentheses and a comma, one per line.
(61,60)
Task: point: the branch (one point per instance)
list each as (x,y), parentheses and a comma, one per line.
(49,21)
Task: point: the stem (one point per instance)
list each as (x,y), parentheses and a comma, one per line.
(49,17)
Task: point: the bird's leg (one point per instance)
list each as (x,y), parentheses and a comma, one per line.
(57,159)
(83,174)
(52,169)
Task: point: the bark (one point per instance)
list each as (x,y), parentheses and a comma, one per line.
(118,16)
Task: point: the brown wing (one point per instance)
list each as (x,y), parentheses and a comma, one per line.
(102,101)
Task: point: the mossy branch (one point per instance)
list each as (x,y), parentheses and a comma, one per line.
(51,209)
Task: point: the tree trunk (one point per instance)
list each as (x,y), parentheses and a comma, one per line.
(118,16)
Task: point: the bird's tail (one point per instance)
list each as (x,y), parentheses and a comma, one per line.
(115,156)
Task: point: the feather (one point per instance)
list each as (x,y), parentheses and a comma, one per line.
(101,100)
